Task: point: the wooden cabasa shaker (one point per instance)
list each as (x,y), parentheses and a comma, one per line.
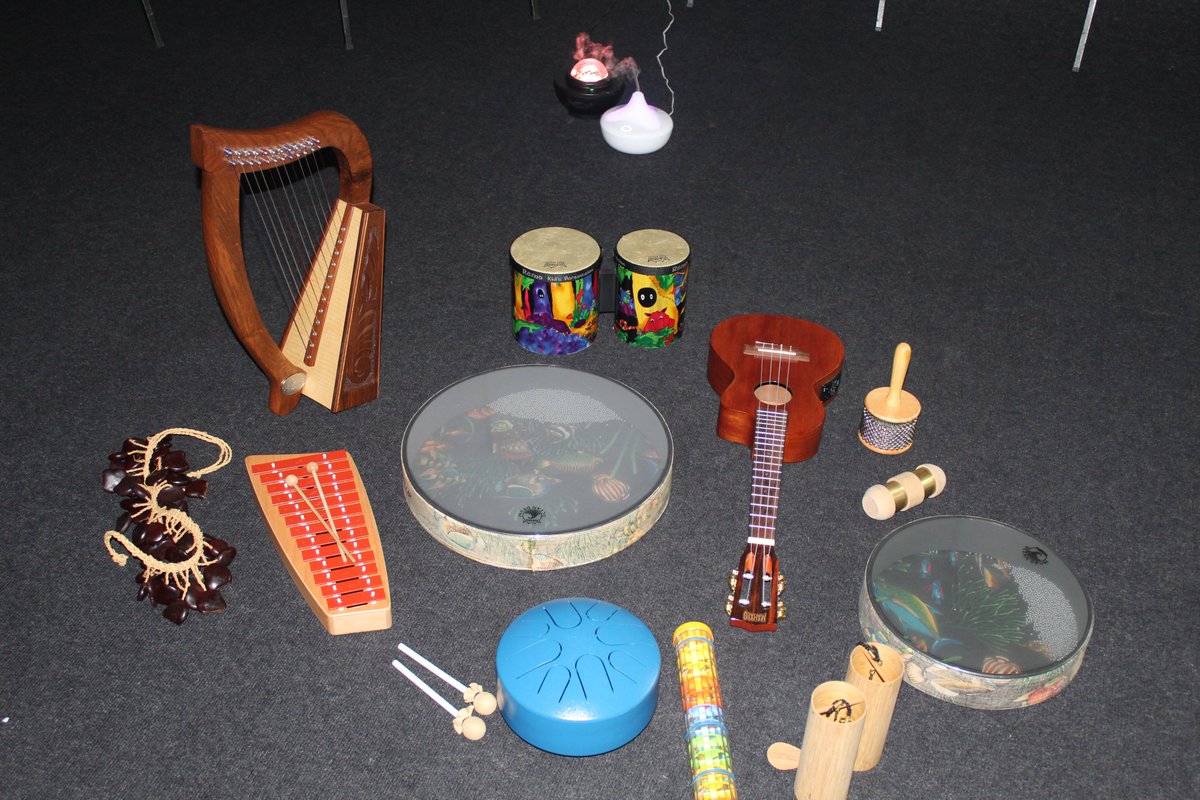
(890,413)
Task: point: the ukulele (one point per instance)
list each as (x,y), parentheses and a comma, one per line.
(774,376)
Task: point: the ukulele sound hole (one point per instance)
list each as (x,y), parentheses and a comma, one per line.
(772,394)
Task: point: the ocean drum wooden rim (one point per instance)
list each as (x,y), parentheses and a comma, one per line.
(537,467)
(1051,624)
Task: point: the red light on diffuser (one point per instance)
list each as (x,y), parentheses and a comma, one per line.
(589,70)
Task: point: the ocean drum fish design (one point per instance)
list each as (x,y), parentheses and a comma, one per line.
(914,617)
(484,457)
(963,609)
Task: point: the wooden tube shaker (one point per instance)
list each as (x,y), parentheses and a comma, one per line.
(836,714)
(879,681)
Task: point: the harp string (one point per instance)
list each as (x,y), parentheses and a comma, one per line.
(257,188)
(282,209)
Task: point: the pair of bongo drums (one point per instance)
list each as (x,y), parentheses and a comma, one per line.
(557,295)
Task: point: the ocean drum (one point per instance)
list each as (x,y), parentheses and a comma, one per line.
(537,467)
(984,615)
(555,277)
(652,269)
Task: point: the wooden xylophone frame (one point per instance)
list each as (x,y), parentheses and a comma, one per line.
(346,596)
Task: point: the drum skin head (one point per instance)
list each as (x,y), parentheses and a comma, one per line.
(537,467)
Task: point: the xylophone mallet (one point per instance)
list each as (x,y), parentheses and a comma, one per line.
(293,483)
(483,702)
(471,727)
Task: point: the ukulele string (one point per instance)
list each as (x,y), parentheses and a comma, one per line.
(765,369)
(770,369)
(778,362)
(772,482)
(781,378)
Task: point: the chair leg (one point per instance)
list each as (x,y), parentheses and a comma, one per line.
(1083,37)
(879,16)
(158,41)
(346,24)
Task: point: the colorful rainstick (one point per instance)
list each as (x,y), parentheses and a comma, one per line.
(652,269)
(555,277)
(707,736)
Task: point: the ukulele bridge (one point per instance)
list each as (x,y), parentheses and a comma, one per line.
(775,352)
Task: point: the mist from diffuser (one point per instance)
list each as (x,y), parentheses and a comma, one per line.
(637,127)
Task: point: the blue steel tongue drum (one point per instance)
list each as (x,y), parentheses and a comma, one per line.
(537,467)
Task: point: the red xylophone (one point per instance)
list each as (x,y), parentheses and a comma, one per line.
(317,509)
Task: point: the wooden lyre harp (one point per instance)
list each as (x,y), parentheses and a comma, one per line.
(329,350)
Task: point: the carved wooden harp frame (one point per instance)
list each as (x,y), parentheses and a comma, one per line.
(333,357)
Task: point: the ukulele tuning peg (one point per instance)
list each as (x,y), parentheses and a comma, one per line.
(780,609)
(733,579)
(729,605)
(782,584)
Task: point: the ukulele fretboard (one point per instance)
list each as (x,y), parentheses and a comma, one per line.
(770,428)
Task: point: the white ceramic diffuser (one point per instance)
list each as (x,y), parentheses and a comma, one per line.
(636,127)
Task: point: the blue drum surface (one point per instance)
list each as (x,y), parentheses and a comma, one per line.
(577,677)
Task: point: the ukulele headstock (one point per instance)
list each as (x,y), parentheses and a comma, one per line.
(753,603)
